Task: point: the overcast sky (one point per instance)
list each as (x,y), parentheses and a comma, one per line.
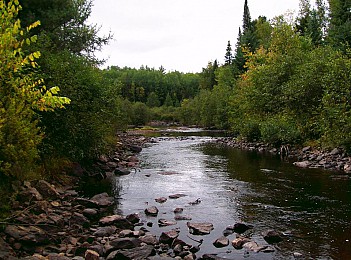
(181,35)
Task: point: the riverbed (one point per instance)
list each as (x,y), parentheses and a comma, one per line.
(311,208)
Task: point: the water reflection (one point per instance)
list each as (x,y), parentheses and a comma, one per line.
(312,210)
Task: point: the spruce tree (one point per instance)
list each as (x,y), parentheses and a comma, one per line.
(228,58)
(246,18)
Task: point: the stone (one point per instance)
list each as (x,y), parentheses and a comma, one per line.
(306,149)
(139,253)
(91,255)
(29,194)
(176,196)
(149,240)
(335,151)
(347,168)
(90,213)
(125,233)
(135,148)
(211,257)
(6,252)
(124,243)
(272,237)
(152,211)
(29,235)
(303,164)
(47,190)
(79,219)
(105,231)
(200,228)
(165,222)
(86,203)
(103,200)
(133,218)
(221,242)
(178,210)
(116,220)
(240,228)
(239,242)
(121,171)
(169,236)
(161,200)
(182,217)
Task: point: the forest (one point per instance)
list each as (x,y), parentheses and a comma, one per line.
(285,81)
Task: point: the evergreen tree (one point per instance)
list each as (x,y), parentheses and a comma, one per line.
(228,58)
(339,33)
(246,18)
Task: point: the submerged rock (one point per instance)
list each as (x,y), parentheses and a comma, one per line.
(272,236)
(165,222)
(161,200)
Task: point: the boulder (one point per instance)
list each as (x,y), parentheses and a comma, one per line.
(91,255)
(121,171)
(182,217)
(176,196)
(47,190)
(168,237)
(272,236)
(178,210)
(200,228)
(221,242)
(79,219)
(124,243)
(86,203)
(165,222)
(105,231)
(135,148)
(239,242)
(117,221)
(133,218)
(103,200)
(161,200)
(90,213)
(139,253)
(30,234)
(240,228)
(303,164)
(152,211)
(149,240)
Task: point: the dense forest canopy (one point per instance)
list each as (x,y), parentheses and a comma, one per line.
(284,81)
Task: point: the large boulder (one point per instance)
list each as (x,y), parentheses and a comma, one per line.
(117,221)
(200,228)
(103,200)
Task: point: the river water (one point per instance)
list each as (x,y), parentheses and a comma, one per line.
(311,207)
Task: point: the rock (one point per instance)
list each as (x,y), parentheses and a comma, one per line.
(161,200)
(98,248)
(197,201)
(335,151)
(124,243)
(139,253)
(272,236)
(200,228)
(152,211)
(29,235)
(91,255)
(211,257)
(79,219)
(165,222)
(121,171)
(347,168)
(239,242)
(303,164)
(105,231)
(125,233)
(90,213)
(133,218)
(103,200)
(298,255)
(86,203)
(252,246)
(149,240)
(168,237)
(47,190)
(29,194)
(306,149)
(182,217)
(6,252)
(176,196)
(116,220)
(135,148)
(221,242)
(178,210)
(240,228)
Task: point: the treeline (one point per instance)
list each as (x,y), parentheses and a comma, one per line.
(285,81)
(288,80)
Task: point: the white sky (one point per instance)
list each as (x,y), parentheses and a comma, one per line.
(181,35)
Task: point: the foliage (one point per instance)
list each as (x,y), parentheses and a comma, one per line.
(21,95)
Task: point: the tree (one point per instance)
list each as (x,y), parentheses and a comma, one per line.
(152,100)
(339,32)
(228,58)
(247,25)
(22,96)
(208,77)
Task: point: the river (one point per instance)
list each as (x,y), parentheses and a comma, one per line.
(310,207)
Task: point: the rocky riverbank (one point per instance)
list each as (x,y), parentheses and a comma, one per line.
(307,157)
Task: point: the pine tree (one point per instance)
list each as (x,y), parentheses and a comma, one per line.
(228,58)
(246,18)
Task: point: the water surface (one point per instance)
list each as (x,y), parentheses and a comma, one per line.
(311,208)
